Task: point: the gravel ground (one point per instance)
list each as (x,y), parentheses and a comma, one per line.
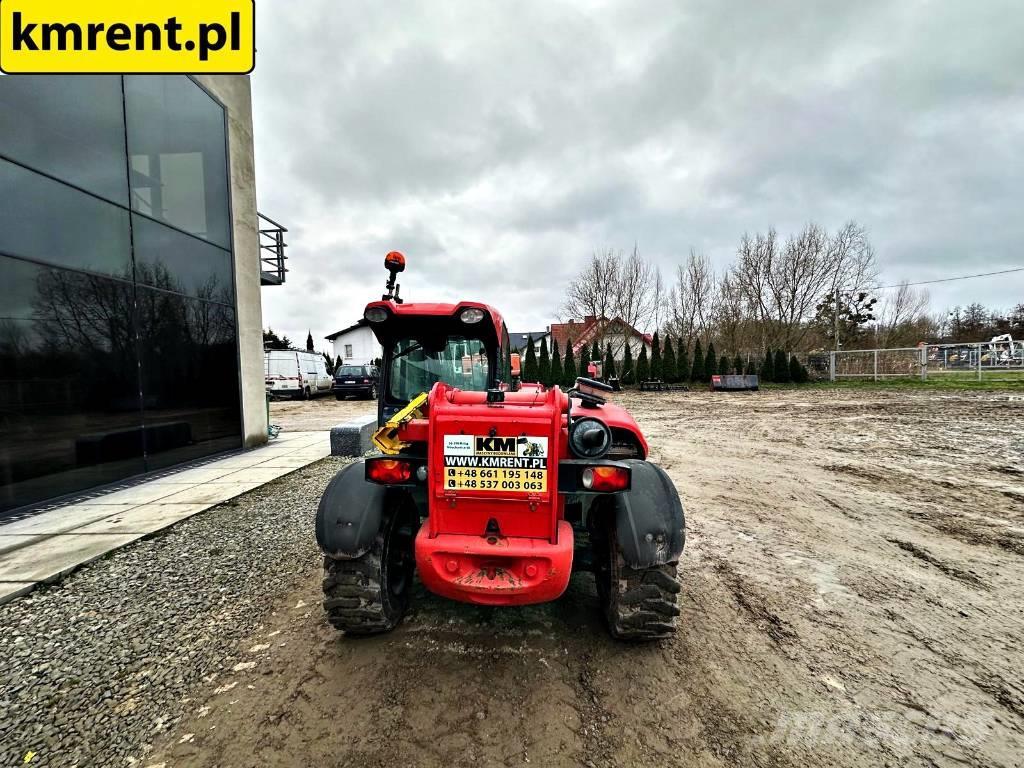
(96,668)
(321,413)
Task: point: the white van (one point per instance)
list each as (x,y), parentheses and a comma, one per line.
(296,374)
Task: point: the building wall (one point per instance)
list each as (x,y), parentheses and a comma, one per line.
(365,348)
(235,93)
(122,299)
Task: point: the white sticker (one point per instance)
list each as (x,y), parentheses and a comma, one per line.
(458,445)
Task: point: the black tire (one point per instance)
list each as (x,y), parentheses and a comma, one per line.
(370,594)
(638,604)
(338,396)
(371,393)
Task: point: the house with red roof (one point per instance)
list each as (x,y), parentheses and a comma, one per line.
(614,331)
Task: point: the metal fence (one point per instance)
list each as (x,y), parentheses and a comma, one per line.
(980,360)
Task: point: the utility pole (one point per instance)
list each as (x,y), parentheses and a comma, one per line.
(835,317)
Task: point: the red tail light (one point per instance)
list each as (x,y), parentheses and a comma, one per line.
(388,471)
(605,479)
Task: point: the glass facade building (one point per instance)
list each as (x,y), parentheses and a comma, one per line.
(118,348)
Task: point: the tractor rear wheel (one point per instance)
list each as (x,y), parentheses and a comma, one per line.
(639,604)
(370,594)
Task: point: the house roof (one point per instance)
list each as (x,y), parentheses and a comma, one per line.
(361,324)
(518,340)
(582,333)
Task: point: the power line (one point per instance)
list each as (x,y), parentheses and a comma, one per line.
(950,279)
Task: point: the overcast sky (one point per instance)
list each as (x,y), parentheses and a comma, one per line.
(498,144)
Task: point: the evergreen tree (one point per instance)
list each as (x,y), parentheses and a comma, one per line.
(724,364)
(751,367)
(767,366)
(609,363)
(557,375)
(794,370)
(805,375)
(628,372)
(309,341)
(656,368)
(682,364)
(329,364)
(737,365)
(697,370)
(668,361)
(272,341)
(544,365)
(643,368)
(569,372)
(710,362)
(338,363)
(531,370)
(781,367)
(595,354)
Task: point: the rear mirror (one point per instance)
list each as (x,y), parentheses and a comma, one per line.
(514,358)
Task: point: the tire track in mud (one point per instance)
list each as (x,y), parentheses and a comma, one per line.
(922,554)
(753,605)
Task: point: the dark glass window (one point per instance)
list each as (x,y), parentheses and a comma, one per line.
(46,220)
(69,392)
(69,127)
(102,378)
(177,151)
(168,259)
(189,377)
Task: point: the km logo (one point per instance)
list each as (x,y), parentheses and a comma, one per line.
(501,445)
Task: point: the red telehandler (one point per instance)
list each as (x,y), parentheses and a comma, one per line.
(494,491)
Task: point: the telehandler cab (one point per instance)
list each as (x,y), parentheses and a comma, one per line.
(493,491)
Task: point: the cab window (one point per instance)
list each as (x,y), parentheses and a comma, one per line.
(460,362)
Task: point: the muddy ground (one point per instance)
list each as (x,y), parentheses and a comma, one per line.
(854,595)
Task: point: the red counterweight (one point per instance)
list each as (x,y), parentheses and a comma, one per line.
(494,534)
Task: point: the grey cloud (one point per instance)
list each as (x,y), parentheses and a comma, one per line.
(500,143)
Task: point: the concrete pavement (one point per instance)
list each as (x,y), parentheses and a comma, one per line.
(45,547)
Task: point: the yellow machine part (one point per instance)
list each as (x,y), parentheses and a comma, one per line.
(386,438)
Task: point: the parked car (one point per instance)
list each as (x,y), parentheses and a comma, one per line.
(291,373)
(358,380)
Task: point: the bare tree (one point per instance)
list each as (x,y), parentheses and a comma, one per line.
(635,295)
(783,286)
(591,292)
(902,313)
(614,286)
(693,299)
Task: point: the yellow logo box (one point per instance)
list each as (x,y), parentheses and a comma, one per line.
(127,36)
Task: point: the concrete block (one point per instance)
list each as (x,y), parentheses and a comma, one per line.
(257,474)
(12,589)
(55,556)
(12,541)
(353,437)
(63,519)
(210,493)
(145,519)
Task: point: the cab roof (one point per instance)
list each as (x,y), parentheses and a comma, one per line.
(437,309)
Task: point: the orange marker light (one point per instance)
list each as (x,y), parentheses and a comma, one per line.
(394,262)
